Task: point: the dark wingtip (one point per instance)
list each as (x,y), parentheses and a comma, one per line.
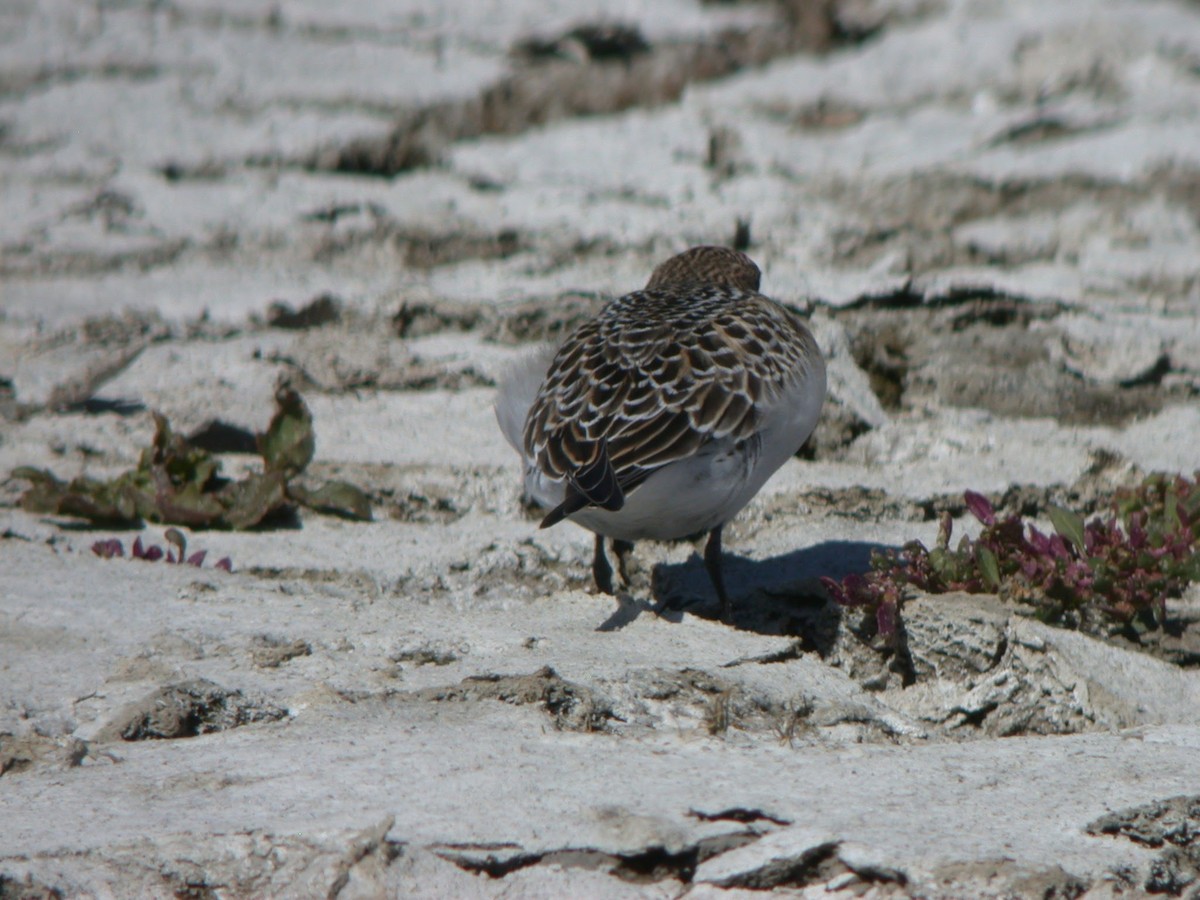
(575,501)
(614,501)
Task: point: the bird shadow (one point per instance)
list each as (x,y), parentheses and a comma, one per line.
(781,595)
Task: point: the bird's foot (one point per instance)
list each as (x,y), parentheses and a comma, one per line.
(712,562)
(622,550)
(601,569)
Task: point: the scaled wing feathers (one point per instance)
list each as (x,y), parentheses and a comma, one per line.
(654,377)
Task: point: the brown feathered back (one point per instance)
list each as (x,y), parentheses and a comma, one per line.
(707,265)
(695,356)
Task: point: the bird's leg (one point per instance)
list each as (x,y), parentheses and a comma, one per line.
(621,549)
(601,570)
(712,562)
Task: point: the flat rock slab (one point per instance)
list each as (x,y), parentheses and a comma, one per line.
(509,788)
(989,213)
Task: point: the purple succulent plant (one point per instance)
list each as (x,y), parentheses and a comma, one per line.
(1123,566)
(112,547)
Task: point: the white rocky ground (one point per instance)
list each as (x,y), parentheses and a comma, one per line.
(992,211)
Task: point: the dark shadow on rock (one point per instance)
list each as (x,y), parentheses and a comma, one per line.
(85,526)
(221,437)
(286,518)
(781,595)
(628,609)
(97,406)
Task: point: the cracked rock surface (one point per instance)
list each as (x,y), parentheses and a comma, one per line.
(991,215)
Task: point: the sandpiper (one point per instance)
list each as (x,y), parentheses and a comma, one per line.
(664,415)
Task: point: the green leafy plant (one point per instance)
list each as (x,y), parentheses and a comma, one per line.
(177,483)
(1120,568)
